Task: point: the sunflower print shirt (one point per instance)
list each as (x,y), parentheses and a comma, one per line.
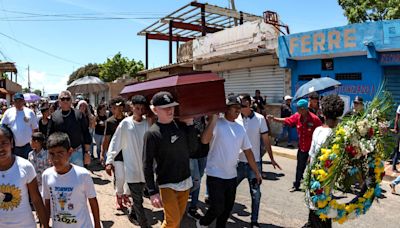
(15,210)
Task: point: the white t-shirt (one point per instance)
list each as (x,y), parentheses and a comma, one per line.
(319,137)
(21,123)
(15,210)
(255,125)
(227,141)
(128,137)
(68,194)
(398,109)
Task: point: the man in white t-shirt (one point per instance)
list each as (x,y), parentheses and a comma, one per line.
(227,138)
(129,138)
(256,129)
(23,122)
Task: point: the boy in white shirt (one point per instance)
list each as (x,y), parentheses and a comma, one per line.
(67,187)
(128,138)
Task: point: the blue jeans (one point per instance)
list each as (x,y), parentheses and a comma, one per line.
(77,157)
(285,129)
(244,171)
(99,140)
(396,181)
(197,167)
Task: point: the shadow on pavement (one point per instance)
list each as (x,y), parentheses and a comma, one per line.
(107,224)
(272,176)
(100,181)
(154,216)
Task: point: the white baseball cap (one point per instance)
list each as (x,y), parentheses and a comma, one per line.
(287,97)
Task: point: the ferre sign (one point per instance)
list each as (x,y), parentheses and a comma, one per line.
(336,39)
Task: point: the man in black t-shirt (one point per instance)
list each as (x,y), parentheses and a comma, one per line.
(72,122)
(170,144)
(121,190)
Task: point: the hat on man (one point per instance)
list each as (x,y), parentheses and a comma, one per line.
(163,99)
(139,99)
(233,100)
(287,97)
(358,99)
(302,103)
(19,96)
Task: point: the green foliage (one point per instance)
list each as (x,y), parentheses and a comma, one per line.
(358,11)
(37,92)
(91,69)
(25,90)
(118,66)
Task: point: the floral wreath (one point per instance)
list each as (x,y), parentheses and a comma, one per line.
(351,161)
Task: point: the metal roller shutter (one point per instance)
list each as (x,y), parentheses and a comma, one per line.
(392,76)
(270,80)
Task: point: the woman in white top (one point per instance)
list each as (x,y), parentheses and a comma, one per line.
(17,184)
(332,108)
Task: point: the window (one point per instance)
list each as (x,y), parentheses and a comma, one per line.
(307,77)
(348,76)
(327,64)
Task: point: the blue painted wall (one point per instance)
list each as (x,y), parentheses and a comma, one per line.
(372,74)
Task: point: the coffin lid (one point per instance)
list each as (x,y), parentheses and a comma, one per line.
(169,81)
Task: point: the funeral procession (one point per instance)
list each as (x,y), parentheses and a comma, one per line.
(199,113)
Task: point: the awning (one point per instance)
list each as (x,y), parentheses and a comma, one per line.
(3,91)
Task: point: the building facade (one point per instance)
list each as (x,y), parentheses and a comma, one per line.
(363,57)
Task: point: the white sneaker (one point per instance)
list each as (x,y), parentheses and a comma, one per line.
(200,226)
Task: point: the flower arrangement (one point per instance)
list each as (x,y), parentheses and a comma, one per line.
(351,160)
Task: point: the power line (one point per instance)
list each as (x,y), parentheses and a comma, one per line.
(39,50)
(85,19)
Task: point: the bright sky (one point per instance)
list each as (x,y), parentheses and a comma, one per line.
(79,42)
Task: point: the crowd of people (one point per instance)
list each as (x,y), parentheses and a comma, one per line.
(44,157)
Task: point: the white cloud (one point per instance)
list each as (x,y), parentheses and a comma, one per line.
(42,80)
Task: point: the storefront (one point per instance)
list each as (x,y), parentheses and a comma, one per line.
(361,56)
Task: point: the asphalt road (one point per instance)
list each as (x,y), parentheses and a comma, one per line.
(279,207)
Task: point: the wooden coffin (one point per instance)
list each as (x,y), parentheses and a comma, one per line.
(198,93)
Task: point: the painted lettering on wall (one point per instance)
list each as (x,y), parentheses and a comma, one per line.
(320,41)
(390,58)
(356,89)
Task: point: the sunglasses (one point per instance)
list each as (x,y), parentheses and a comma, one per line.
(65,98)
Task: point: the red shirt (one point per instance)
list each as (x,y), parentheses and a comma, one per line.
(305,128)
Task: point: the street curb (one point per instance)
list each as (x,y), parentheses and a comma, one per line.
(292,154)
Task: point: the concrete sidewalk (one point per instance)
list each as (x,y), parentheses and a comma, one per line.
(292,154)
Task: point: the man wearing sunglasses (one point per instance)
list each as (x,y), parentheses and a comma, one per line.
(71,121)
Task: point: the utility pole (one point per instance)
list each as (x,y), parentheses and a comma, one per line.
(234,8)
(29,81)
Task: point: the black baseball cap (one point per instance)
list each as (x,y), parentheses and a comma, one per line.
(233,100)
(163,99)
(139,99)
(358,99)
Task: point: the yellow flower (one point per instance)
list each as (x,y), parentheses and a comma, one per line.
(340,131)
(361,200)
(350,208)
(336,148)
(322,204)
(342,220)
(323,217)
(322,175)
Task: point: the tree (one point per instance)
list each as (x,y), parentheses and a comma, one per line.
(358,11)
(37,92)
(118,66)
(25,90)
(91,69)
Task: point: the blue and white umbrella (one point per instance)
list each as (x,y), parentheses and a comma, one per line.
(316,85)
